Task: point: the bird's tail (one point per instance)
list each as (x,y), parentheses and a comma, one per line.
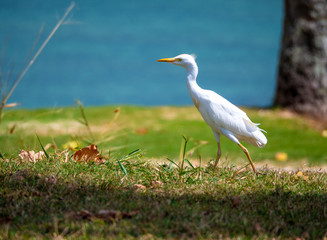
(258,139)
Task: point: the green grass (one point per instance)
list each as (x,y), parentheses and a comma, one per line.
(157,131)
(47,199)
(58,197)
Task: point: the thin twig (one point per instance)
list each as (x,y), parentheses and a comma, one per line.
(29,56)
(34,44)
(39,51)
(4,95)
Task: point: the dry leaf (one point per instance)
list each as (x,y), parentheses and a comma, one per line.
(89,153)
(281,156)
(30,156)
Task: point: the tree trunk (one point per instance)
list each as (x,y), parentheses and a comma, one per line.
(302,74)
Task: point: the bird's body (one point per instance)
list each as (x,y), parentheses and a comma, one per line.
(225,118)
(222,116)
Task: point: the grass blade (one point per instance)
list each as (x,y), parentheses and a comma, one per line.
(45,152)
(131,154)
(182,151)
(85,122)
(135,152)
(122,167)
(189,163)
(173,162)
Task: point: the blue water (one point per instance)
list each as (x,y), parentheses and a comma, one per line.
(106,52)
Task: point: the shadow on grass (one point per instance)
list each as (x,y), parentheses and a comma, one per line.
(32,205)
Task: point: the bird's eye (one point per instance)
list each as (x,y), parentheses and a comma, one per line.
(178,59)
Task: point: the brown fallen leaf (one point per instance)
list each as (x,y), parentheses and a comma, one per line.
(87,154)
(31,156)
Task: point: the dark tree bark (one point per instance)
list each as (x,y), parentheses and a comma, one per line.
(302,74)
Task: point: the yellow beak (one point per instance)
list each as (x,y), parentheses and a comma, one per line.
(166,60)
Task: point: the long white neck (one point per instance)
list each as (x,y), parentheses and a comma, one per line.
(192,86)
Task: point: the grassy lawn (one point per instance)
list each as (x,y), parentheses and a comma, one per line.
(128,195)
(158,132)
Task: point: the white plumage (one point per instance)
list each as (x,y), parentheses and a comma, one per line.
(222,116)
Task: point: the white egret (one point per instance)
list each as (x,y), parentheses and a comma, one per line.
(222,116)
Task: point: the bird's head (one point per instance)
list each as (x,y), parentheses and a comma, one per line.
(184,60)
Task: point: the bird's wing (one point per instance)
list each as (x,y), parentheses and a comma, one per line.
(220,113)
(224,117)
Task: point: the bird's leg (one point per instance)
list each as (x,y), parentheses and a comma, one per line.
(248,156)
(218,156)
